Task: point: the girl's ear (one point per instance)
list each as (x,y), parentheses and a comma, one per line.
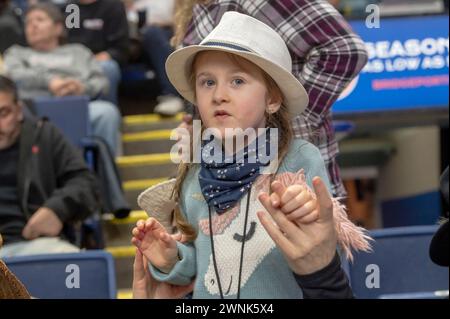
(273,104)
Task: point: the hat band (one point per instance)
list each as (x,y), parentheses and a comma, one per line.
(226,45)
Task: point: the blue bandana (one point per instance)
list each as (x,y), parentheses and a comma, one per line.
(225,180)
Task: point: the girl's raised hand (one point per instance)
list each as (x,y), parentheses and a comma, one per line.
(156,244)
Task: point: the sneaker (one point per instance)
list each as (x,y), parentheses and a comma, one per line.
(169,105)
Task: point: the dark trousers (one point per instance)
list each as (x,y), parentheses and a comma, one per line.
(156,46)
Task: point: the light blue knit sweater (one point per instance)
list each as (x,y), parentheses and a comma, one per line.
(265,273)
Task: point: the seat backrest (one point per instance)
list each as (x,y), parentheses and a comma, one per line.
(70,114)
(401,262)
(87,275)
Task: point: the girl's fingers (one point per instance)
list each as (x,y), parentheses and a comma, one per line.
(136,242)
(274,232)
(137,233)
(138,265)
(149,224)
(302,211)
(290,193)
(286,226)
(278,189)
(310,218)
(153,225)
(296,202)
(144,261)
(140,224)
(275,200)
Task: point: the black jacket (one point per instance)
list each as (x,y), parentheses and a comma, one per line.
(11,28)
(103,27)
(330,282)
(53,174)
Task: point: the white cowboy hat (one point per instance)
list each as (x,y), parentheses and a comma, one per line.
(251,39)
(157,203)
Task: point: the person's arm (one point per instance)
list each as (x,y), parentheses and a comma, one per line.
(75,197)
(350,236)
(331,282)
(146,287)
(318,35)
(16,67)
(325,279)
(95,83)
(116,30)
(336,55)
(184,270)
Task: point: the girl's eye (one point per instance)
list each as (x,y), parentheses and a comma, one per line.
(238,81)
(207,83)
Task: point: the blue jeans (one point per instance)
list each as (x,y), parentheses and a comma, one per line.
(105,121)
(111,70)
(156,44)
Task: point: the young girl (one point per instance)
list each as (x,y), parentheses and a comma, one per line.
(239,78)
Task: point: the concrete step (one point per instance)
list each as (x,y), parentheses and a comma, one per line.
(124,294)
(117,232)
(117,235)
(146,166)
(139,123)
(123,262)
(147,142)
(124,272)
(134,216)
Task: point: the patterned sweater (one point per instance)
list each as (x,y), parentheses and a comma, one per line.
(265,272)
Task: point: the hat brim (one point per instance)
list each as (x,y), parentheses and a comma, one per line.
(179,65)
(156,201)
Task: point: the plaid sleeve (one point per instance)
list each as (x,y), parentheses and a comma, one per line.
(326,53)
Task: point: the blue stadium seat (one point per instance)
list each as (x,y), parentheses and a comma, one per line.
(89,274)
(70,114)
(400,258)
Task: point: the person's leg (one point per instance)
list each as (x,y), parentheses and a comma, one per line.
(156,44)
(44,245)
(112,71)
(105,120)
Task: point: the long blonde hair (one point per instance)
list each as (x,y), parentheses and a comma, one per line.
(182,17)
(280,119)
